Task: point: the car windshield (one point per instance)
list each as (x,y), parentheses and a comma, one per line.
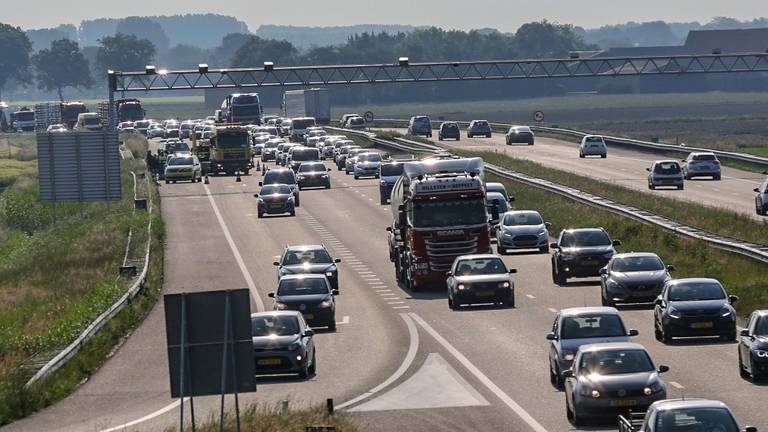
(696,291)
(432,214)
(369,157)
(637,264)
(302,286)
(527,218)
(394,169)
(356,121)
(305,154)
(613,362)
(180,161)
(585,239)
(484,266)
(302,123)
(592,326)
(311,256)
(91,121)
(179,146)
(311,167)
(451,126)
(696,420)
(274,325)
(666,168)
(275,189)
(704,157)
(273,144)
(282,177)
(761,328)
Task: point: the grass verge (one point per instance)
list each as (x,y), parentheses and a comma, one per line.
(260,417)
(742,276)
(44,307)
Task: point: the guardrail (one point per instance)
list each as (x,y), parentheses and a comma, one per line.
(86,335)
(648,145)
(751,250)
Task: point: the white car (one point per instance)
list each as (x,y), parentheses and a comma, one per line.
(701,164)
(593,145)
(522,229)
(56,128)
(183,167)
(761,199)
(665,173)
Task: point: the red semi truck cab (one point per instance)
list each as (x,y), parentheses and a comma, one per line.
(439,212)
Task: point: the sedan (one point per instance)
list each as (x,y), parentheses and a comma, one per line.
(308,259)
(480,279)
(313,174)
(519,134)
(753,347)
(575,327)
(351,159)
(310,294)
(522,229)
(283,343)
(367,165)
(694,307)
(633,278)
(701,164)
(593,145)
(665,173)
(275,199)
(611,378)
(183,167)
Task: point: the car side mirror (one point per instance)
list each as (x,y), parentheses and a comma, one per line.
(568,373)
(551,336)
(448,274)
(261,183)
(671,268)
(663,368)
(633,332)
(335,292)
(512,271)
(337,260)
(659,301)
(750,429)
(548,225)
(648,169)
(603,271)
(275,263)
(733,299)
(309,333)
(255,195)
(511,199)
(616,243)
(389,229)
(554,246)
(271,295)
(329,170)
(756,190)
(744,332)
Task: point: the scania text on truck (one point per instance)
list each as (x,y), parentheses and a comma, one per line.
(51,113)
(308,103)
(439,212)
(242,108)
(230,150)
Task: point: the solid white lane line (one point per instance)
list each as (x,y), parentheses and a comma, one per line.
(236,252)
(157,413)
(508,401)
(400,307)
(676,385)
(413,347)
(530,296)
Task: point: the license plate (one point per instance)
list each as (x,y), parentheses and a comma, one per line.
(485,293)
(269,362)
(309,316)
(623,402)
(275,205)
(589,262)
(702,325)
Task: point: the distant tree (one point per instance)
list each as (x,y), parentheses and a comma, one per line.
(185,56)
(63,65)
(15,48)
(547,40)
(42,38)
(256,51)
(124,52)
(144,28)
(229,46)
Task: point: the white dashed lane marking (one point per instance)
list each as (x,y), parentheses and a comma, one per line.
(553,310)
(676,385)
(530,296)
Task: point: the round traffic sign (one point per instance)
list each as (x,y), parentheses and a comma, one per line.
(368,116)
(538,116)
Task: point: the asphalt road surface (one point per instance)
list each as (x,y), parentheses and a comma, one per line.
(399,360)
(625,168)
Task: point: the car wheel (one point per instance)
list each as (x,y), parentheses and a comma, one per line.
(500,250)
(439,137)
(469,135)
(313,366)
(568,412)
(304,372)
(488,136)
(555,378)
(742,371)
(293,212)
(297,202)
(259,215)
(717,177)
(680,187)
(357,177)
(665,337)
(603,156)
(657,333)
(332,324)
(328,186)
(544,249)
(581,155)
(651,186)
(510,303)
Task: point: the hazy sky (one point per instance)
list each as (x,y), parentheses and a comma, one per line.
(505,15)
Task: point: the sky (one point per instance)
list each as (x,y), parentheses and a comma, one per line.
(505,15)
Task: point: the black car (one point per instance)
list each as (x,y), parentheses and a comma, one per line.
(283,343)
(389,172)
(633,278)
(519,134)
(753,347)
(694,307)
(480,279)
(309,294)
(282,176)
(449,130)
(313,174)
(275,199)
(308,259)
(479,127)
(581,252)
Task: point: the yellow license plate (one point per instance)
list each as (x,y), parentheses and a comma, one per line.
(485,293)
(309,316)
(623,402)
(702,325)
(269,362)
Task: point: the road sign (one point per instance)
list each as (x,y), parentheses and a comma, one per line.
(368,116)
(538,116)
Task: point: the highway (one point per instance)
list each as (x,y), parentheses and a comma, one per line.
(623,167)
(404,360)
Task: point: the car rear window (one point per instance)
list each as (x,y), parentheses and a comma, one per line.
(310,167)
(696,419)
(594,139)
(704,157)
(666,168)
(391,169)
(312,256)
(281,177)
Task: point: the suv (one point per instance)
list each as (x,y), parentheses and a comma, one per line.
(479,127)
(313,174)
(449,130)
(761,199)
(665,173)
(593,145)
(581,252)
(345,117)
(303,259)
(701,165)
(355,123)
(420,125)
(282,176)
(519,134)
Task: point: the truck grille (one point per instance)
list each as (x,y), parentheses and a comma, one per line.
(441,254)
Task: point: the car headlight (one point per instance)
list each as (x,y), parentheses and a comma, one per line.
(726,312)
(281,306)
(460,286)
(568,256)
(568,355)
(383,182)
(542,232)
(504,284)
(653,388)
(672,312)
(329,274)
(614,284)
(761,353)
(326,304)
(587,390)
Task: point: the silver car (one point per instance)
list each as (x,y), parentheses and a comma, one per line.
(522,229)
(593,145)
(611,378)
(761,199)
(635,277)
(665,173)
(367,165)
(703,164)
